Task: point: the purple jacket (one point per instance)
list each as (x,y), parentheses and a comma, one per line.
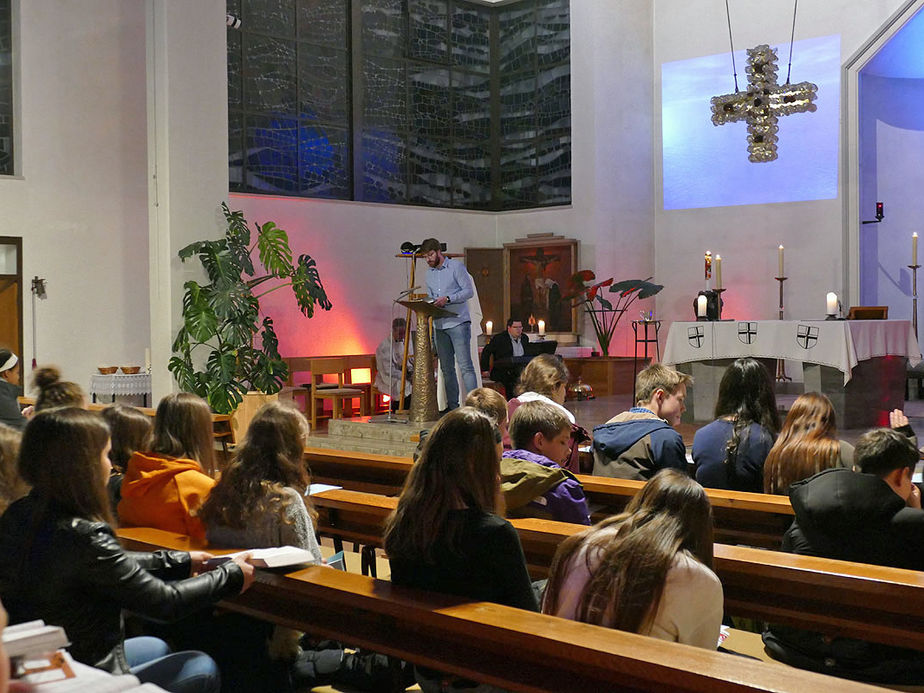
(564,501)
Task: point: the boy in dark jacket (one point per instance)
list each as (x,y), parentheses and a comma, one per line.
(869,516)
(533,482)
(640,442)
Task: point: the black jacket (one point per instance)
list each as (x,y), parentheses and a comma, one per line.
(73,573)
(501,347)
(854,517)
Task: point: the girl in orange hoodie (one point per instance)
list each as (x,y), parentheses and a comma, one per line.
(164,488)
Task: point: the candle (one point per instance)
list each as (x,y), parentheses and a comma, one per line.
(781,262)
(831,303)
(718,271)
(701,306)
(147,360)
(914,248)
(489,328)
(708,260)
(541,327)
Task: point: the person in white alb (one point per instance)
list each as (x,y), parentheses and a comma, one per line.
(388,370)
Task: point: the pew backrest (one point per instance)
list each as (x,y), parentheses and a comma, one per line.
(755,519)
(837,597)
(514,649)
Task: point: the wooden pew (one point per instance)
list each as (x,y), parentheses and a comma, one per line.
(755,519)
(850,599)
(514,649)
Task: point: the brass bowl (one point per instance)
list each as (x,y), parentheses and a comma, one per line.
(131,370)
(107,370)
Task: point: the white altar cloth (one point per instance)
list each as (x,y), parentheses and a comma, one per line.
(840,344)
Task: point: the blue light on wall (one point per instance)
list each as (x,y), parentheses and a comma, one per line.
(707,166)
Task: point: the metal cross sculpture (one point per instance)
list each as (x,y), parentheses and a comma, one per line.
(762,103)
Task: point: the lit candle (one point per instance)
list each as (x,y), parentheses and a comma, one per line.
(541,327)
(718,271)
(147,360)
(831,301)
(489,328)
(914,248)
(781,262)
(701,307)
(708,260)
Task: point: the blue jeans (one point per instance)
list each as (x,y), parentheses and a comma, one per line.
(452,343)
(184,672)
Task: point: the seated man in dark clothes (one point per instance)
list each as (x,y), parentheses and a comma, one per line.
(642,441)
(872,515)
(498,355)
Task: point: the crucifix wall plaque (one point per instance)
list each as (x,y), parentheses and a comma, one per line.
(762,103)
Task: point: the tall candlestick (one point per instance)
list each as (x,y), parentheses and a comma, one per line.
(781,262)
(718,271)
(914,248)
(701,306)
(541,327)
(489,328)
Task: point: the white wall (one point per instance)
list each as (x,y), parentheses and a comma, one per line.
(747,236)
(80,204)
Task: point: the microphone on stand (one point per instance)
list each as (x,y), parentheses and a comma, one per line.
(407,292)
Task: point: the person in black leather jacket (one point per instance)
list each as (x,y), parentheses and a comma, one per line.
(63,564)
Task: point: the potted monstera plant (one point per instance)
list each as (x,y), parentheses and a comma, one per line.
(226,346)
(605,313)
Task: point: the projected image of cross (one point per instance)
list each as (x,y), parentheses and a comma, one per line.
(762,103)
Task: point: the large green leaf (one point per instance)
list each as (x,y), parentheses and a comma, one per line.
(275,254)
(307,286)
(644,287)
(183,372)
(222,364)
(200,320)
(269,339)
(233,301)
(238,238)
(224,397)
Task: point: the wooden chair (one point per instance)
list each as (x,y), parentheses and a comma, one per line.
(338,367)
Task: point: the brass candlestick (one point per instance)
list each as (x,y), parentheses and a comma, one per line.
(914,298)
(780,363)
(718,301)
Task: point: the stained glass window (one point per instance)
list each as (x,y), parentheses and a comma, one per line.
(446,103)
(6,89)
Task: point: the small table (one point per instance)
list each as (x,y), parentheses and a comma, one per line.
(121,384)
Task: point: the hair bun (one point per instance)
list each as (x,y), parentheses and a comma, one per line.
(45,376)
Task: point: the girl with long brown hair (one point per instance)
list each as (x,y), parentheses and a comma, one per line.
(165,487)
(447,535)
(260,499)
(807,444)
(64,564)
(647,570)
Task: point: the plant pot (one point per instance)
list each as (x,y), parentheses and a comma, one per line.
(241,417)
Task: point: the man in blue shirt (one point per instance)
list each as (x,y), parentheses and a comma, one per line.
(450,287)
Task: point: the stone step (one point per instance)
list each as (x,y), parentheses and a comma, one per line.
(364,427)
(372,445)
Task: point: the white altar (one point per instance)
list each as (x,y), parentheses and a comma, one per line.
(859,364)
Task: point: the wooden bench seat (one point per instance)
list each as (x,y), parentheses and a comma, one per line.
(755,519)
(514,649)
(850,599)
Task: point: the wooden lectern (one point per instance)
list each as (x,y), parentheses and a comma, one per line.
(423,393)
